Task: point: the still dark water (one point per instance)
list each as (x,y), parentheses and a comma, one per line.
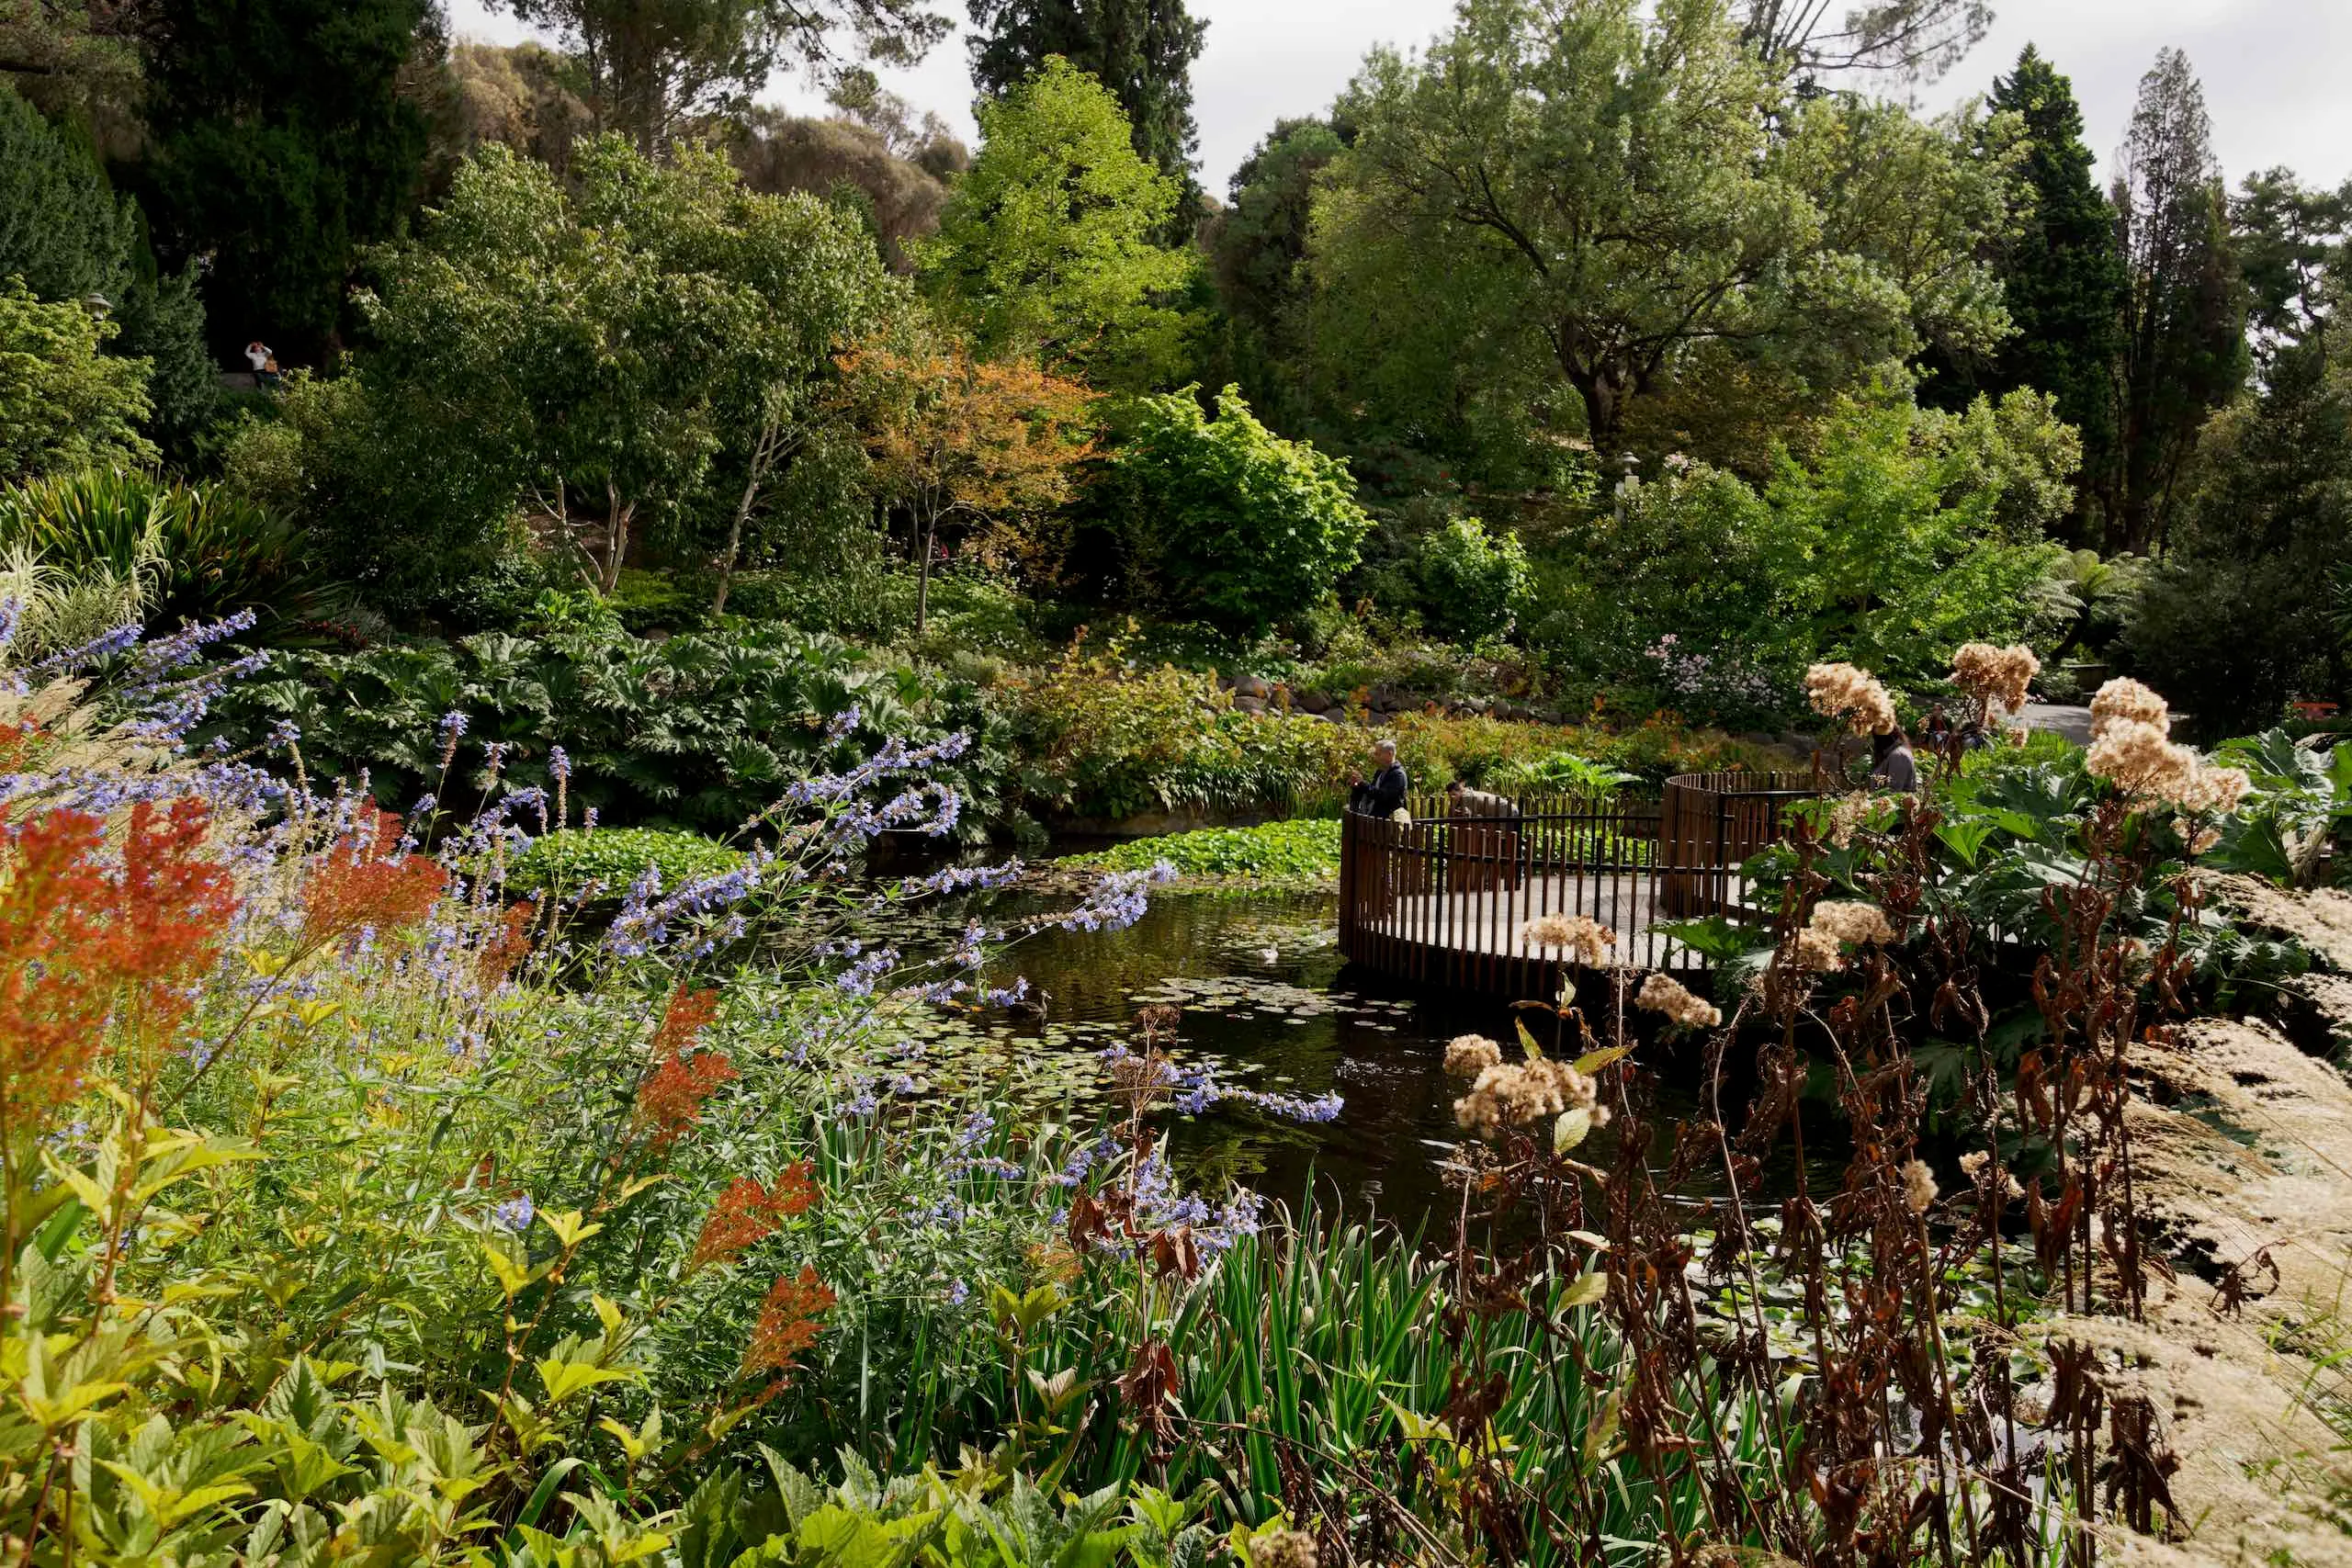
(1267,998)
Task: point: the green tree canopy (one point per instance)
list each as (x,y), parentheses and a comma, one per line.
(1230,521)
(1142,49)
(69,237)
(62,403)
(1258,249)
(279,143)
(61,228)
(2249,606)
(1912,38)
(1908,532)
(2293,245)
(609,345)
(1607,191)
(1048,247)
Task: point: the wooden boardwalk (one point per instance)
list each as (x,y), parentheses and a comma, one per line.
(1447,901)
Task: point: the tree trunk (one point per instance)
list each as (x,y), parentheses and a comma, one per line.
(617,513)
(930,537)
(764,455)
(1603,393)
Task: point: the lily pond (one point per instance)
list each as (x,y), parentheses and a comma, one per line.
(1267,1000)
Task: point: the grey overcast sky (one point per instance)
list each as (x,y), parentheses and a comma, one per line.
(2277,73)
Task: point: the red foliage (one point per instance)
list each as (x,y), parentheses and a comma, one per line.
(787,1324)
(747,1213)
(510,946)
(362,883)
(75,942)
(17,742)
(53,1001)
(670,1100)
(173,904)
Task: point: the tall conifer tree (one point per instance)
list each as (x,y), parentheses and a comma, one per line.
(2062,276)
(1142,49)
(279,145)
(2183,327)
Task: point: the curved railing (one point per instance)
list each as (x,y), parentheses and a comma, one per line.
(1444,900)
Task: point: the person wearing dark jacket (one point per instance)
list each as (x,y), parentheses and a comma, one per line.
(1384,795)
(1892,764)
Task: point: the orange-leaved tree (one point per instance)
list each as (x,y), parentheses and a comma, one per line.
(955,439)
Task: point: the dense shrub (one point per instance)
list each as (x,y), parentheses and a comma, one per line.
(207,550)
(1232,523)
(1491,752)
(1473,582)
(1303,850)
(700,731)
(573,861)
(63,404)
(1103,742)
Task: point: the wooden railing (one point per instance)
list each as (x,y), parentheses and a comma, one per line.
(1445,900)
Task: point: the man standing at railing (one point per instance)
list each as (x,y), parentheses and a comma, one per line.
(1384,795)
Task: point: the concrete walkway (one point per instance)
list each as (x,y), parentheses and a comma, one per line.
(2059,718)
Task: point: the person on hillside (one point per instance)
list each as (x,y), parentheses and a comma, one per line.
(1478,805)
(264,359)
(1892,764)
(1384,795)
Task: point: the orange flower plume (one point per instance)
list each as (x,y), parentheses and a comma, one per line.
(75,942)
(363,883)
(509,946)
(748,1214)
(670,1100)
(787,1324)
(54,1000)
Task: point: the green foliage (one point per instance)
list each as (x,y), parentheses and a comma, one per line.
(702,731)
(2184,328)
(1910,533)
(1303,851)
(1489,753)
(1895,536)
(1473,582)
(66,234)
(62,231)
(2244,611)
(935,1520)
(1564,772)
(2062,276)
(54,609)
(1258,248)
(1587,194)
(1099,739)
(1050,243)
(2302,799)
(656,71)
(1234,523)
(206,551)
(162,322)
(571,861)
(280,142)
(412,508)
(1141,50)
(614,344)
(63,404)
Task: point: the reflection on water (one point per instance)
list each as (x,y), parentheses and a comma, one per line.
(1266,996)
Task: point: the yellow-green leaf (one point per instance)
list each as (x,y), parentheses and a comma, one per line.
(569,1228)
(564,1379)
(1588,1289)
(1592,1062)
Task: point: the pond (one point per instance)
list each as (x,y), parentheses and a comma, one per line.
(1267,998)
